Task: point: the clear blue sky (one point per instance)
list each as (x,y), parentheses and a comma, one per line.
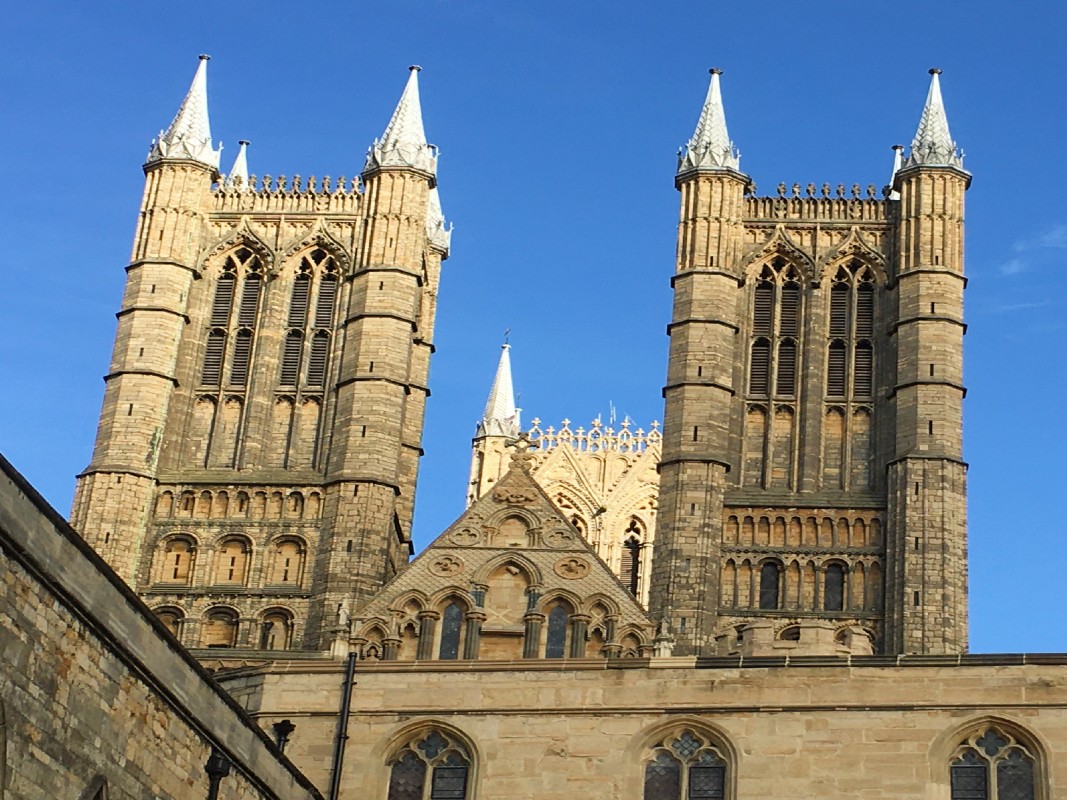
(558,123)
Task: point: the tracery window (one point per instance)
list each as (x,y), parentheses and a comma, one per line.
(851,332)
(432,766)
(685,766)
(775,331)
(993,765)
(302,364)
(232,330)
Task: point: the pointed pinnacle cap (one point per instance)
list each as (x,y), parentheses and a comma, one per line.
(189,135)
(710,147)
(238,177)
(933,143)
(437,233)
(500,417)
(404,142)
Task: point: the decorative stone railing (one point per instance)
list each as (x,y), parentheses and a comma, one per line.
(598,439)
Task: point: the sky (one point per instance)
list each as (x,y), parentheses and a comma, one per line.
(558,124)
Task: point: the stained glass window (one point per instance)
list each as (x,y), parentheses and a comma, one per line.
(431,762)
(685,765)
(992,765)
(557,632)
(451,622)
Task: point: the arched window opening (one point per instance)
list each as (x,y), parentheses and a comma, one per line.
(242,267)
(211,374)
(993,765)
(851,330)
(276,630)
(327,299)
(769,578)
(220,628)
(318,276)
(242,352)
(685,766)
(556,642)
(298,303)
(839,308)
(223,303)
(291,352)
(759,371)
(177,561)
(763,309)
(320,347)
(834,588)
(246,315)
(789,316)
(865,309)
(630,567)
(433,766)
(231,564)
(288,563)
(835,369)
(863,378)
(451,628)
(786,383)
(171,618)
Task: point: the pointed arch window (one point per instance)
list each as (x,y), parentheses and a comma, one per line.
(308,366)
(776,329)
(231,334)
(769,580)
(834,588)
(556,642)
(850,356)
(430,766)
(686,765)
(451,629)
(992,764)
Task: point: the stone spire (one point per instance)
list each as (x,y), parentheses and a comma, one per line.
(933,145)
(404,142)
(189,135)
(238,177)
(438,235)
(500,417)
(898,160)
(710,147)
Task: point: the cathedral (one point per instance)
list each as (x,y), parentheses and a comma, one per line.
(766,596)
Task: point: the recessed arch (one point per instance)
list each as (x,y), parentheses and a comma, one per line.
(949,744)
(681,740)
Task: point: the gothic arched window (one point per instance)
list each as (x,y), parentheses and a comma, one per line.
(833,598)
(630,564)
(556,641)
(851,331)
(685,765)
(232,334)
(430,766)
(991,764)
(776,314)
(769,579)
(276,630)
(451,629)
(303,365)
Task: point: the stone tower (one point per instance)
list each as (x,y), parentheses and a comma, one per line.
(255,465)
(812,489)
(497,430)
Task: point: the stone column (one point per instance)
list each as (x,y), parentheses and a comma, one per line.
(427,628)
(473,635)
(390,649)
(531,643)
(611,648)
(579,628)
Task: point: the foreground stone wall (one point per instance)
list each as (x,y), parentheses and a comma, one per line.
(96,699)
(876,727)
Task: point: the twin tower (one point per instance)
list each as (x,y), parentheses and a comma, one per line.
(256,460)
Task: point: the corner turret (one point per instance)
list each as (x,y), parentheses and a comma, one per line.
(189,135)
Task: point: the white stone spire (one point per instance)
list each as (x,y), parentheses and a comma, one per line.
(189,135)
(500,417)
(710,147)
(898,160)
(238,177)
(404,142)
(933,143)
(438,235)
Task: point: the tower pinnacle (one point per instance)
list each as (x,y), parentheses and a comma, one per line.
(438,234)
(710,147)
(500,417)
(933,145)
(238,177)
(189,135)
(404,142)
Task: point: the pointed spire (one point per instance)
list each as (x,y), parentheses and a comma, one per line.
(933,143)
(710,147)
(438,235)
(500,417)
(404,142)
(238,177)
(898,160)
(189,135)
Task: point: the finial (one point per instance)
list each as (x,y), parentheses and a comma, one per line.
(715,71)
(204,57)
(934,71)
(245,142)
(189,135)
(501,415)
(404,142)
(710,146)
(415,68)
(933,145)
(507,333)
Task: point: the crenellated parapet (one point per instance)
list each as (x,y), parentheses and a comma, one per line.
(841,207)
(282,194)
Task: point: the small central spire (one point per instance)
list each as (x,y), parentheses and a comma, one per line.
(189,135)
(501,417)
(404,142)
(238,177)
(710,147)
(933,143)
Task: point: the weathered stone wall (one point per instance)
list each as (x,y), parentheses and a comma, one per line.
(877,727)
(91,685)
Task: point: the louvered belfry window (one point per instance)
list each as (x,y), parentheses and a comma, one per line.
(776,329)
(231,335)
(850,356)
(306,347)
